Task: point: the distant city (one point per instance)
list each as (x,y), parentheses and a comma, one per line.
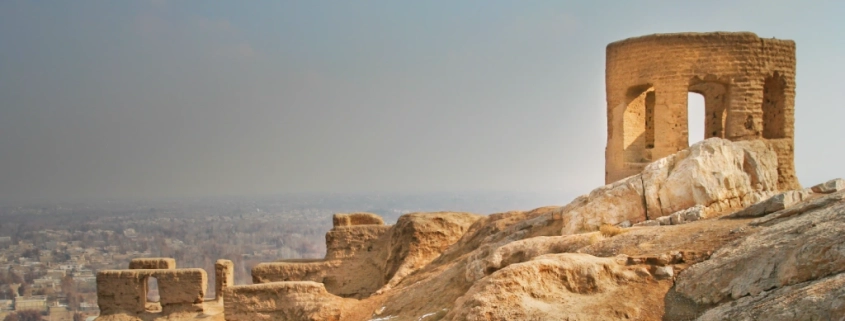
(50,253)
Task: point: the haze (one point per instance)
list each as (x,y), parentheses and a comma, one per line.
(150,99)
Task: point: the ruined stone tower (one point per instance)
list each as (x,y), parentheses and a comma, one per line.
(748,84)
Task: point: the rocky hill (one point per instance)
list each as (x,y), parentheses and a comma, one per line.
(703,234)
(720,230)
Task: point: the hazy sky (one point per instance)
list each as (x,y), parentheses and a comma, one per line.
(200,98)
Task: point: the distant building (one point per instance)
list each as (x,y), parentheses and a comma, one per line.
(35,302)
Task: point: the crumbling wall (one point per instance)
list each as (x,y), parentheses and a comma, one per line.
(124,291)
(224,276)
(347,241)
(360,218)
(302,300)
(748,84)
(361,259)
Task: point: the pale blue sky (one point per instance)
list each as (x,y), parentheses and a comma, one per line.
(201,98)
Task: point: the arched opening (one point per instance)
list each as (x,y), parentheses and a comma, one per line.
(638,124)
(774,120)
(151,295)
(710,103)
(695,117)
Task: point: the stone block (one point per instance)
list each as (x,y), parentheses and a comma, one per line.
(153,263)
(830,186)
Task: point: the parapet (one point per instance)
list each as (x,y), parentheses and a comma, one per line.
(748,85)
(351,219)
(152,263)
(125,291)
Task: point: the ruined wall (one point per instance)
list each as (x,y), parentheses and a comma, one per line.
(361,218)
(124,291)
(748,84)
(282,301)
(361,259)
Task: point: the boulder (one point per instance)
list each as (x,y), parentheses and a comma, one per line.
(710,177)
(715,173)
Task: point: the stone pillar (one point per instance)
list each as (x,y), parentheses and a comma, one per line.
(224,277)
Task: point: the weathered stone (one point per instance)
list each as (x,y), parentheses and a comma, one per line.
(801,248)
(830,186)
(480,265)
(664,220)
(624,224)
(773,204)
(609,204)
(818,300)
(663,272)
(152,263)
(712,173)
(558,287)
(648,223)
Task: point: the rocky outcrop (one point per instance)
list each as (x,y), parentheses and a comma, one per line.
(717,174)
(817,300)
(564,287)
(796,249)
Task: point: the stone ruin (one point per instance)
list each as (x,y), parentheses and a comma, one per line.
(363,256)
(181,291)
(748,84)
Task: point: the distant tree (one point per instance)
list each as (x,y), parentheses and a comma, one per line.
(25,315)
(25,289)
(78,316)
(68,285)
(31,253)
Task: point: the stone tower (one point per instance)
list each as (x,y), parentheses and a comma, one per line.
(748,84)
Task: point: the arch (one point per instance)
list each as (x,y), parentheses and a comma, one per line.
(151,295)
(638,124)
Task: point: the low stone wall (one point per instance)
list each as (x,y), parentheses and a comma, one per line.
(165,263)
(303,300)
(293,271)
(124,291)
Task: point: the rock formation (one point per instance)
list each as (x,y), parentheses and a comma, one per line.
(720,230)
